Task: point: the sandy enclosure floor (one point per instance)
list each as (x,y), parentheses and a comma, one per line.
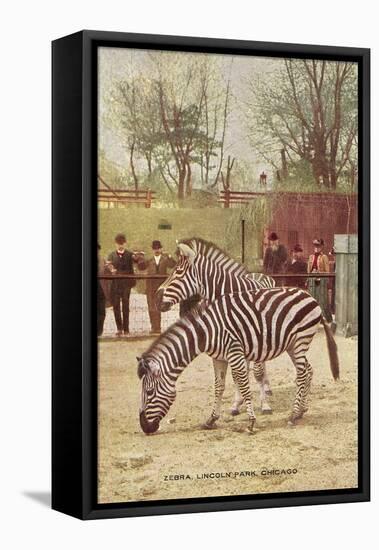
(319,453)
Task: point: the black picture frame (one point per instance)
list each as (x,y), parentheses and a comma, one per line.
(74,369)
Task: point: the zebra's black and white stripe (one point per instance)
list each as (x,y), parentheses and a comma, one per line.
(206,270)
(256,326)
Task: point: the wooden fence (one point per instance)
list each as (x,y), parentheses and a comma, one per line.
(228,197)
(116,197)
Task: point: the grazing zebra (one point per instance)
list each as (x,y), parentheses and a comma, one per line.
(206,270)
(255,325)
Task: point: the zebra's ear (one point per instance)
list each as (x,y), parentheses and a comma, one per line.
(187,252)
(155,370)
(142,368)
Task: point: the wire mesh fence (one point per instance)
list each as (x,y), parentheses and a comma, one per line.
(139,318)
(139,321)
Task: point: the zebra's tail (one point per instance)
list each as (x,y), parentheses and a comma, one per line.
(332,349)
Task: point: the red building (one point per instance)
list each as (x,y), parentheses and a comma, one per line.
(302,217)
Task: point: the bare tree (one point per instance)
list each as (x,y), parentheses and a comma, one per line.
(134,112)
(172,119)
(226,177)
(180,110)
(216,114)
(308,110)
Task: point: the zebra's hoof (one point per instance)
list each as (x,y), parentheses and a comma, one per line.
(293,419)
(291,423)
(207,426)
(250,428)
(268,392)
(210,424)
(235,412)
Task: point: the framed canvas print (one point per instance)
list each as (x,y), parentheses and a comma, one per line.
(210,274)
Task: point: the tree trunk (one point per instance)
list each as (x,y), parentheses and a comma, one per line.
(181,186)
(149,165)
(333,178)
(326,179)
(135,178)
(188,181)
(317,171)
(284,164)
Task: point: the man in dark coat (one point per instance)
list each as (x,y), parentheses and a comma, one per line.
(100,295)
(297,265)
(275,257)
(120,262)
(158,264)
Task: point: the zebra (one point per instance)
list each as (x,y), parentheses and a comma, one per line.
(206,270)
(253,325)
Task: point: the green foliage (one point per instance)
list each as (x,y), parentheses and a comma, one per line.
(141,226)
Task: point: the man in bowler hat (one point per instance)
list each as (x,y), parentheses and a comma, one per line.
(120,262)
(297,265)
(275,257)
(158,264)
(101,300)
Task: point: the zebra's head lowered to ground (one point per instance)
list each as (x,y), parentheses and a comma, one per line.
(157,395)
(205,270)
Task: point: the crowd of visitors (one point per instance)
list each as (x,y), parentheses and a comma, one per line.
(116,291)
(277,261)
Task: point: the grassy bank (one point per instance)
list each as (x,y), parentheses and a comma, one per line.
(141,226)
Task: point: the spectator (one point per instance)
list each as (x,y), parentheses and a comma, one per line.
(318,263)
(157,265)
(263,178)
(100,294)
(275,257)
(120,262)
(297,265)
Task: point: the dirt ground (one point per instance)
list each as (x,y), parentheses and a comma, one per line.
(182,460)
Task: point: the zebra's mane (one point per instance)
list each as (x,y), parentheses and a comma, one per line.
(206,248)
(190,318)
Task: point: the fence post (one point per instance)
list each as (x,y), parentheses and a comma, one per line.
(148,199)
(346,247)
(227,198)
(243,240)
